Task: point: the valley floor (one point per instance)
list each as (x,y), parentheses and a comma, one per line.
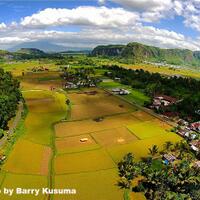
(78,146)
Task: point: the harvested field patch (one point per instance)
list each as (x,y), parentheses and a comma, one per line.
(143,116)
(49,102)
(94,185)
(88,126)
(85,111)
(147,129)
(23,181)
(28,158)
(43,85)
(90,106)
(114,136)
(140,147)
(83,162)
(73,144)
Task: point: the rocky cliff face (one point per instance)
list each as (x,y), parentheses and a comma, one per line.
(136,53)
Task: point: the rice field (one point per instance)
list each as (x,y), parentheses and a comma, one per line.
(25,152)
(83,162)
(108,140)
(81,152)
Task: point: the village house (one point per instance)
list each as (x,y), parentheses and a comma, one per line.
(195,126)
(191,135)
(195,145)
(168,158)
(182,122)
(163,101)
(119,91)
(70,85)
(117,79)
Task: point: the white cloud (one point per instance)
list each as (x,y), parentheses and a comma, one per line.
(102,25)
(2,26)
(82,16)
(151,10)
(89,37)
(153,5)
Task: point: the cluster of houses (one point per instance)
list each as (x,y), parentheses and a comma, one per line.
(170,159)
(71,85)
(120,91)
(163,101)
(191,132)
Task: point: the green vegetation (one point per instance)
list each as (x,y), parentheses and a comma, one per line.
(122,128)
(184,89)
(9,97)
(147,129)
(1,133)
(176,180)
(135,96)
(137,53)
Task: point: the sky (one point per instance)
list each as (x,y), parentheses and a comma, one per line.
(85,24)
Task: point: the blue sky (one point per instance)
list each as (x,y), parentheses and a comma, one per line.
(85,24)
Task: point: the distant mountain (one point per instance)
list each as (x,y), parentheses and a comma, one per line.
(42,45)
(137,53)
(30,51)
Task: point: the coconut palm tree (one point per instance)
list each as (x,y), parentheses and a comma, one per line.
(128,170)
(168,145)
(153,150)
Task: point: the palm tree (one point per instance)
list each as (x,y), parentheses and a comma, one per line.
(168,145)
(153,150)
(128,170)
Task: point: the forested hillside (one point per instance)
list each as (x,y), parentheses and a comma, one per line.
(9,97)
(137,53)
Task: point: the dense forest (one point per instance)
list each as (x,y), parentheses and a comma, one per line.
(9,97)
(186,90)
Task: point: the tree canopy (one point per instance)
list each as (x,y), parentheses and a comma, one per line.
(9,97)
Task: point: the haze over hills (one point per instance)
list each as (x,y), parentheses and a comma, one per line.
(45,46)
(130,53)
(136,53)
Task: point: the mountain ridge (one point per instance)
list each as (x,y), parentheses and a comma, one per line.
(136,53)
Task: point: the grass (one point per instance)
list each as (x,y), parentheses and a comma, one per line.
(135,96)
(147,129)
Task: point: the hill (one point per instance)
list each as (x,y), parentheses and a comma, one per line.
(137,53)
(30,51)
(42,45)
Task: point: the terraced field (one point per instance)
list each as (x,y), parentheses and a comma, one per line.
(81,152)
